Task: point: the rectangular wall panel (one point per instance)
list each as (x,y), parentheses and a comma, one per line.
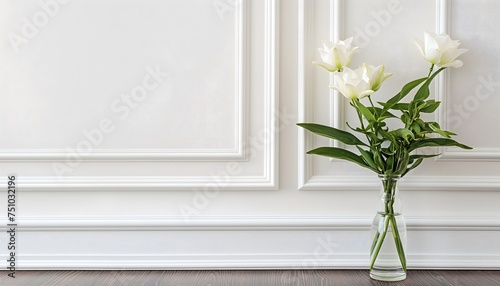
(471,93)
(385,32)
(86,88)
(148,95)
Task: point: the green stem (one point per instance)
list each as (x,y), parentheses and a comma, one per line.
(430,70)
(379,243)
(374,110)
(390,219)
(360,116)
(399,244)
(374,242)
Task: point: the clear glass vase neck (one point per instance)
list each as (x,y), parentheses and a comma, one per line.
(390,201)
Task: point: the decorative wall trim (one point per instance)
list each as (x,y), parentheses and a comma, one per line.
(190,223)
(304,88)
(141,155)
(442,90)
(263,242)
(271,88)
(123,155)
(411,183)
(145,183)
(244,261)
(267,136)
(475,155)
(250,223)
(306,178)
(337,102)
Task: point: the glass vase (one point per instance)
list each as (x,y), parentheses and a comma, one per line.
(388,233)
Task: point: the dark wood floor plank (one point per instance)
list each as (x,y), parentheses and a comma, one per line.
(247,278)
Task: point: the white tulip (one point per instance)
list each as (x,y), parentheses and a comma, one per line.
(375,75)
(353,83)
(441,50)
(336,55)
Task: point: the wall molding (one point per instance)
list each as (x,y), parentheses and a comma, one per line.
(145,183)
(124,155)
(307,181)
(254,223)
(304,88)
(266,177)
(410,183)
(191,223)
(250,242)
(271,88)
(144,155)
(474,155)
(244,262)
(443,82)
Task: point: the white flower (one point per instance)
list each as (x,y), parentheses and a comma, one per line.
(336,55)
(441,50)
(375,75)
(353,83)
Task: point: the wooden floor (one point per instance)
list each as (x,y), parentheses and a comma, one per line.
(245,277)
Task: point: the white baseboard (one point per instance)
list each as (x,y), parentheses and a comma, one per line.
(152,242)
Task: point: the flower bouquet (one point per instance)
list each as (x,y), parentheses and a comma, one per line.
(389,152)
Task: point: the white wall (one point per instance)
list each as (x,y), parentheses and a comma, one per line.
(203,166)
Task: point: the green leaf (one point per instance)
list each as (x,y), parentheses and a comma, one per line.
(436,128)
(421,156)
(387,135)
(416,128)
(388,151)
(430,106)
(365,111)
(420,122)
(404,91)
(413,166)
(418,156)
(390,162)
(403,164)
(378,110)
(357,129)
(333,133)
(378,160)
(404,134)
(339,153)
(367,157)
(436,142)
(423,92)
(450,133)
(414,107)
(405,118)
(385,116)
(401,106)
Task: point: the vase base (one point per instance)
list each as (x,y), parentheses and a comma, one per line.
(387,275)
